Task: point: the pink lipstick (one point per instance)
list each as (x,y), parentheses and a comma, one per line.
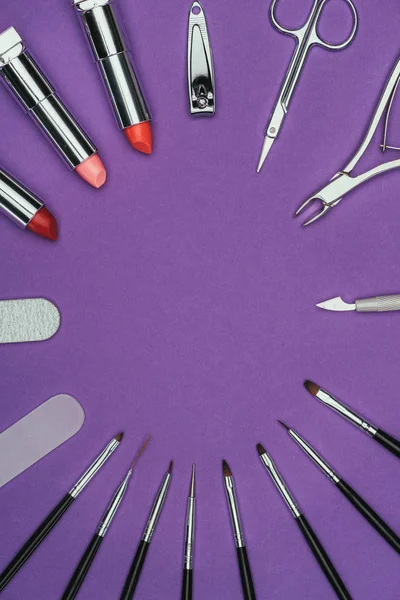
(24,78)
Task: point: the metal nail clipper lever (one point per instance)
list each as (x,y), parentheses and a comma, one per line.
(376,304)
(201,84)
(343,182)
(306,37)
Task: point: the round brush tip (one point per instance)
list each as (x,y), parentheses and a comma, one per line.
(260,449)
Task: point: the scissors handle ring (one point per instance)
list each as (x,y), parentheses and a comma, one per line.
(278,26)
(316,39)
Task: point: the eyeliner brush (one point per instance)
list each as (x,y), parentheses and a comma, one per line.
(141,552)
(85,563)
(312,540)
(359,503)
(386,440)
(52,519)
(244,565)
(187,582)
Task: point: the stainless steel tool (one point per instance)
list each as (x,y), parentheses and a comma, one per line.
(307,37)
(376,304)
(200,70)
(343,181)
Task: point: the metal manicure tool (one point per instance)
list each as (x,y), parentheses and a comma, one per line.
(306,36)
(343,182)
(200,69)
(376,304)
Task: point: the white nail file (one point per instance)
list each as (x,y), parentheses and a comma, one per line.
(37,434)
(30,320)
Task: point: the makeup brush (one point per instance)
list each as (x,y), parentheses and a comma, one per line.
(88,557)
(312,540)
(187,582)
(386,440)
(359,503)
(50,521)
(141,552)
(244,565)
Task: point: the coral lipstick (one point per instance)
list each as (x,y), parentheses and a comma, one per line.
(39,99)
(24,208)
(114,60)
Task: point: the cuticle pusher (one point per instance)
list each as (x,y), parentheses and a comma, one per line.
(375,304)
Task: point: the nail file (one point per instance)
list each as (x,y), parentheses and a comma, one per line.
(30,320)
(37,434)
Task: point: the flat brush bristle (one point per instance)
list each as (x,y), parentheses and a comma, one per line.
(119,436)
(283,425)
(225,469)
(260,449)
(171,464)
(311,387)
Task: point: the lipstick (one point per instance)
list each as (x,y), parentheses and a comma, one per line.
(38,97)
(114,60)
(24,208)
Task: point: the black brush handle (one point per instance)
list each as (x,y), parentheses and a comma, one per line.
(368,513)
(187,584)
(82,569)
(36,538)
(245,574)
(323,559)
(388,442)
(135,570)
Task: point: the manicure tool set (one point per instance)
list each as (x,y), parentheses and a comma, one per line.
(61,417)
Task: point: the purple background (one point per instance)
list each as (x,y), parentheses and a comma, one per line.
(188,296)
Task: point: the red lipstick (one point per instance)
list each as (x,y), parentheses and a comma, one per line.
(114,59)
(37,96)
(44,224)
(24,208)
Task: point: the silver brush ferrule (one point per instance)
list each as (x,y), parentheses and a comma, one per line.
(315,457)
(346,412)
(189,538)
(38,98)
(156,509)
(94,467)
(114,60)
(234,511)
(280,484)
(16,201)
(113,506)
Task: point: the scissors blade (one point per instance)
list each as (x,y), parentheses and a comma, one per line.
(267,145)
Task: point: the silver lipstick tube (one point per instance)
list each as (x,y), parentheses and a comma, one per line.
(114,60)
(16,201)
(234,511)
(39,98)
(156,509)
(113,506)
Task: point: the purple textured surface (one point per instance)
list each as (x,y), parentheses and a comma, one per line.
(187,295)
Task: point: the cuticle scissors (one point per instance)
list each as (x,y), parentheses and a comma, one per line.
(307,36)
